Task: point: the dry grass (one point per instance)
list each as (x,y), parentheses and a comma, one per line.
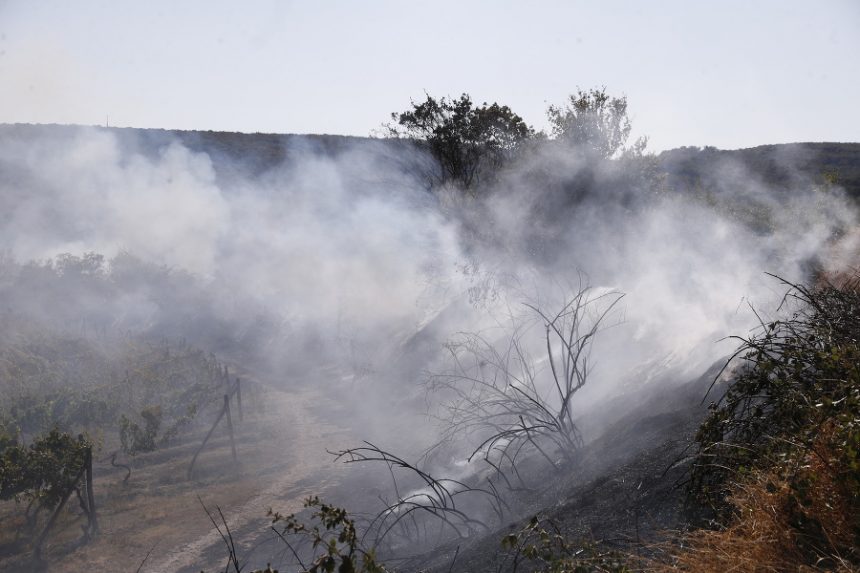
(805,517)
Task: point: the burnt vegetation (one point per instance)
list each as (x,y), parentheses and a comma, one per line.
(764,473)
(788,394)
(497,391)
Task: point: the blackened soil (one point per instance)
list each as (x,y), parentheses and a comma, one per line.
(624,493)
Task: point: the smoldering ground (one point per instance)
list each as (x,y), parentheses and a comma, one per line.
(340,268)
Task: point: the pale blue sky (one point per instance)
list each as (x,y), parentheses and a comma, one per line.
(725,73)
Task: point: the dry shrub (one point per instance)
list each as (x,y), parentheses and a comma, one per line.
(802,516)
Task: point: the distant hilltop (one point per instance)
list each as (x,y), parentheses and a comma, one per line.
(774,165)
(698,168)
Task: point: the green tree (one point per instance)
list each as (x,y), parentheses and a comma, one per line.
(43,471)
(469,143)
(595,123)
(135,439)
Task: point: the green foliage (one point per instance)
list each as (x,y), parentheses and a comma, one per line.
(546,549)
(595,123)
(470,143)
(43,471)
(830,178)
(335,545)
(133,438)
(66,410)
(173,430)
(798,391)
(7,438)
(51,379)
(89,264)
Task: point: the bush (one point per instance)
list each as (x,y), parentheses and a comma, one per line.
(335,545)
(45,470)
(799,376)
(778,455)
(542,546)
(802,515)
(135,439)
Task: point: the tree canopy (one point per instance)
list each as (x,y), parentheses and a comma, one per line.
(469,142)
(596,123)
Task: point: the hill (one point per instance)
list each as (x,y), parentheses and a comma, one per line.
(783,165)
(685,167)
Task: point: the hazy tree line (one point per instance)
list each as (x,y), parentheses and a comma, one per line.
(588,153)
(473,144)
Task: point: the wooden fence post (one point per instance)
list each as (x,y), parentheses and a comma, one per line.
(230,426)
(239,398)
(91,499)
(206,439)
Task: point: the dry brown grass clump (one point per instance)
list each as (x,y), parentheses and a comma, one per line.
(802,517)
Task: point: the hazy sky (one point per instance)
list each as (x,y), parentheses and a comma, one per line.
(725,73)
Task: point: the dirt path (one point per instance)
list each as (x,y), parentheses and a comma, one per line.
(156,518)
(308,469)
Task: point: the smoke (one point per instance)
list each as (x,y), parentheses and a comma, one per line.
(693,268)
(316,240)
(82,193)
(349,245)
(340,267)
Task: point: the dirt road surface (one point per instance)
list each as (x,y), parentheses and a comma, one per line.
(157,520)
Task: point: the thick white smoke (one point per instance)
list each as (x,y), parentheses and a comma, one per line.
(318,239)
(336,270)
(349,249)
